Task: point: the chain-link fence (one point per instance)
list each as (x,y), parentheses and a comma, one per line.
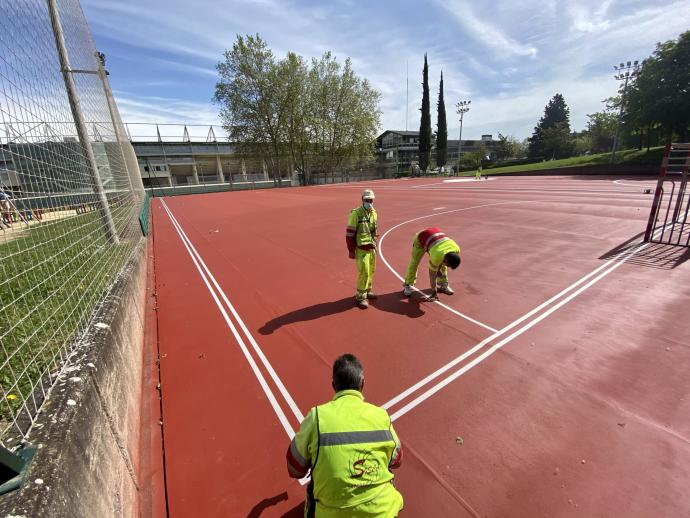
(70,197)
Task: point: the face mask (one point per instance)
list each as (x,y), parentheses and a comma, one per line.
(368,205)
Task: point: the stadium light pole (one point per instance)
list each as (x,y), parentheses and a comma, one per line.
(624,72)
(461,109)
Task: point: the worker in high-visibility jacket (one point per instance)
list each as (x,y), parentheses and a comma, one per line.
(361,234)
(350,448)
(443,253)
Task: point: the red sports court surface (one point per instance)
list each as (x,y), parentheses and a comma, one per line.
(553,383)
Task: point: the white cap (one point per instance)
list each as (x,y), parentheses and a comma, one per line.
(368,194)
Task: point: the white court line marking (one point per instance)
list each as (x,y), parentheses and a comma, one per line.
(424,185)
(262,381)
(603,194)
(438,208)
(637,183)
(383,258)
(469,179)
(255,345)
(481,344)
(496,334)
(433,390)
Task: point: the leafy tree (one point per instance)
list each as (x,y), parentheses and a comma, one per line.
(297,136)
(425,122)
(556,113)
(508,147)
(582,143)
(474,159)
(251,106)
(442,129)
(343,114)
(660,92)
(318,117)
(601,127)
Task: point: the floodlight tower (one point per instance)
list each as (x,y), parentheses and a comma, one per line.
(624,72)
(462,108)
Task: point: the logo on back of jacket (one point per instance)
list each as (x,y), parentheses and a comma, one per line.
(363,467)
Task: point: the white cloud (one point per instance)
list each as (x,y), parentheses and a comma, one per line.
(186,67)
(509,58)
(165,110)
(517,114)
(482,30)
(589,19)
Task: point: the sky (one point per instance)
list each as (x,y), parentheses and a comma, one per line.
(507,57)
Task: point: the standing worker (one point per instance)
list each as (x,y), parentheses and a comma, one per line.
(350,447)
(361,235)
(443,252)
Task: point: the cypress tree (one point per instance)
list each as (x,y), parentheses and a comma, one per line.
(442,129)
(556,114)
(425,123)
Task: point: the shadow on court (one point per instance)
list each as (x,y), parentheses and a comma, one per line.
(394,302)
(266,503)
(655,255)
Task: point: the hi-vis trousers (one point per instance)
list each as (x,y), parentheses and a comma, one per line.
(366,266)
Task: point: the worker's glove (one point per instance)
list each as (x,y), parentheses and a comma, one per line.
(352,254)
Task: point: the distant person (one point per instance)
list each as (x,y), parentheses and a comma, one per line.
(361,234)
(443,253)
(350,447)
(5,209)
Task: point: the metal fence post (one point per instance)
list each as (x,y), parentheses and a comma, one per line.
(100,59)
(104,207)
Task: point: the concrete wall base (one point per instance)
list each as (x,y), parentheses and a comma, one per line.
(87,433)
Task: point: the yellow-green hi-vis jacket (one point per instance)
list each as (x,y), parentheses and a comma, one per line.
(350,447)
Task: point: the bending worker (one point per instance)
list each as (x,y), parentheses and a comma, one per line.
(350,447)
(443,252)
(360,235)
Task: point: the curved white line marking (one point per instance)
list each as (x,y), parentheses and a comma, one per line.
(476,361)
(638,183)
(606,267)
(383,258)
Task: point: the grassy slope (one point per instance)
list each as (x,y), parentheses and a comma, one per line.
(628,156)
(52,279)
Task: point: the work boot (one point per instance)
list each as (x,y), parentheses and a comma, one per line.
(362,304)
(372,296)
(445,288)
(407,290)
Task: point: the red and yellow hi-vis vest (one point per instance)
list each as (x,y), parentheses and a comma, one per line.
(430,237)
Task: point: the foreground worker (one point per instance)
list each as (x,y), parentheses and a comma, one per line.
(350,447)
(361,235)
(443,253)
